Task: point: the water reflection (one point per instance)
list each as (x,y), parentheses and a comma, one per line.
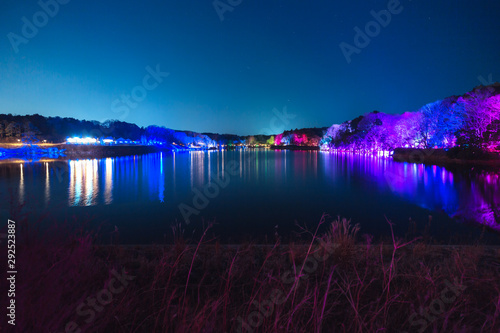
(267,175)
(161,184)
(462,193)
(197,168)
(108,181)
(466,196)
(47,183)
(21,185)
(94,182)
(84,183)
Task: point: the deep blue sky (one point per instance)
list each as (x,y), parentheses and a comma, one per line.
(228,76)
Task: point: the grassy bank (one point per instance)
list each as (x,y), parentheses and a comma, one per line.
(449,156)
(93,151)
(330,283)
(97,151)
(294,147)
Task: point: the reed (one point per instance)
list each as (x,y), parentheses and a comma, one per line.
(204,286)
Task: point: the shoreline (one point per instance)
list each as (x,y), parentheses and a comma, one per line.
(442,157)
(294,147)
(61,151)
(439,157)
(84,151)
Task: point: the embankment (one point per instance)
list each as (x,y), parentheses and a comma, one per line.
(91,151)
(457,156)
(294,147)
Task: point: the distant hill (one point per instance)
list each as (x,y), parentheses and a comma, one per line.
(35,128)
(472,119)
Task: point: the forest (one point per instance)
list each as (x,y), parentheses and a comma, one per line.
(36,128)
(469,121)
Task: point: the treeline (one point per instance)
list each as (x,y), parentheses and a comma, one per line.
(301,137)
(56,129)
(469,121)
(37,128)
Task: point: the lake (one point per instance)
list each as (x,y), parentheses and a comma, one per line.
(247,193)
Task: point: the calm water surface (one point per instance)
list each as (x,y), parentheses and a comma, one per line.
(247,193)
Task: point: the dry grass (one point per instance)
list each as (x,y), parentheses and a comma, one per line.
(340,286)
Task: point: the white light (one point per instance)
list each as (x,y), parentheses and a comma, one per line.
(81,140)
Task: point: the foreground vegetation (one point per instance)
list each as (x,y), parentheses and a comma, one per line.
(328,283)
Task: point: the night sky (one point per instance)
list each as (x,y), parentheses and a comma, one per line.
(228,75)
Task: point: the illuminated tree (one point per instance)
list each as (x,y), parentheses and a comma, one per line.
(407,129)
(482,110)
(450,122)
(300,140)
(429,123)
(277,140)
(286,139)
(314,141)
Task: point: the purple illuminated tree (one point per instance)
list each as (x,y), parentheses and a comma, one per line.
(482,109)
(407,130)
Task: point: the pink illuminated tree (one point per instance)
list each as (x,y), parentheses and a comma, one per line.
(482,109)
